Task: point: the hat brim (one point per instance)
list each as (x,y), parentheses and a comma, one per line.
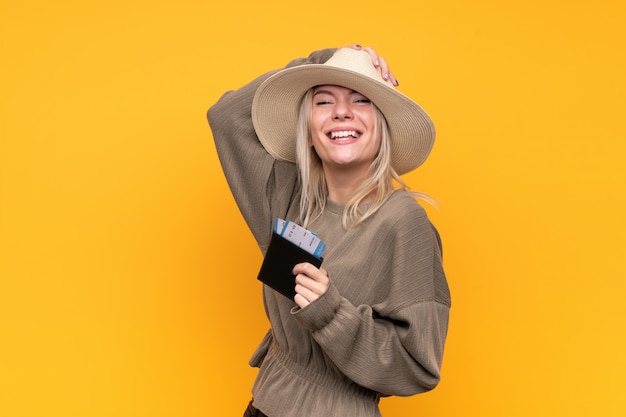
(276,102)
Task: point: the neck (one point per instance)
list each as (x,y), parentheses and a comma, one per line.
(343,183)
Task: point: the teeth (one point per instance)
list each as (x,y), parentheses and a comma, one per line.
(344,134)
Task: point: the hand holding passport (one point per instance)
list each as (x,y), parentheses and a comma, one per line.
(290,244)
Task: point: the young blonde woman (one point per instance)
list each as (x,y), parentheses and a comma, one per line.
(323,143)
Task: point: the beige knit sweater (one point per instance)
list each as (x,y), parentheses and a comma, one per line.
(379,329)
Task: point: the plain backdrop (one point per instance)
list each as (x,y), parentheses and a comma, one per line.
(127,275)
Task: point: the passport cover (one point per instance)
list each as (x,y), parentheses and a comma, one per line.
(277,267)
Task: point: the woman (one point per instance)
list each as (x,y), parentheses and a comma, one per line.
(322,143)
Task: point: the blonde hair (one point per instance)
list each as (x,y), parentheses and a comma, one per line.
(379,185)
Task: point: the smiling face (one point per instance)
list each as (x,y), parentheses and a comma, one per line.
(343,129)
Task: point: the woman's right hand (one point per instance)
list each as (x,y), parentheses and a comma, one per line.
(378,62)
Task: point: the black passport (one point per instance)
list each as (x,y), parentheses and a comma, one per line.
(277,268)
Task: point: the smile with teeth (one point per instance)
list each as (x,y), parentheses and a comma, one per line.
(344,134)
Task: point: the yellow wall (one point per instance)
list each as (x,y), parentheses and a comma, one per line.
(127,276)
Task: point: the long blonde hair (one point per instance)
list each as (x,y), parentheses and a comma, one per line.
(314,192)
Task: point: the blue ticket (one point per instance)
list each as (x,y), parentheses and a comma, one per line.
(300,236)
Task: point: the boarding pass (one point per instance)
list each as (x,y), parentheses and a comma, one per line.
(300,237)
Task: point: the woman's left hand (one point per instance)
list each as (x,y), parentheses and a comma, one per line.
(311,283)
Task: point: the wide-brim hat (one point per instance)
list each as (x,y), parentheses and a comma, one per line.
(277,100)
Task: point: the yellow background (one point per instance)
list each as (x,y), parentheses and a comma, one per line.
(127,276)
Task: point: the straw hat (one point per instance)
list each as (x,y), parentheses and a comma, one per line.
(276,102)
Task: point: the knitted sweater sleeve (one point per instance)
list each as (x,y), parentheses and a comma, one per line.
(261,186)
(395,345)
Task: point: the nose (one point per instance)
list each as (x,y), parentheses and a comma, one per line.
(342,111)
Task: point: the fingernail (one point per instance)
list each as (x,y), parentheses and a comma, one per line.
(386,76)
(357,46)
(397,83)
(377,63)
